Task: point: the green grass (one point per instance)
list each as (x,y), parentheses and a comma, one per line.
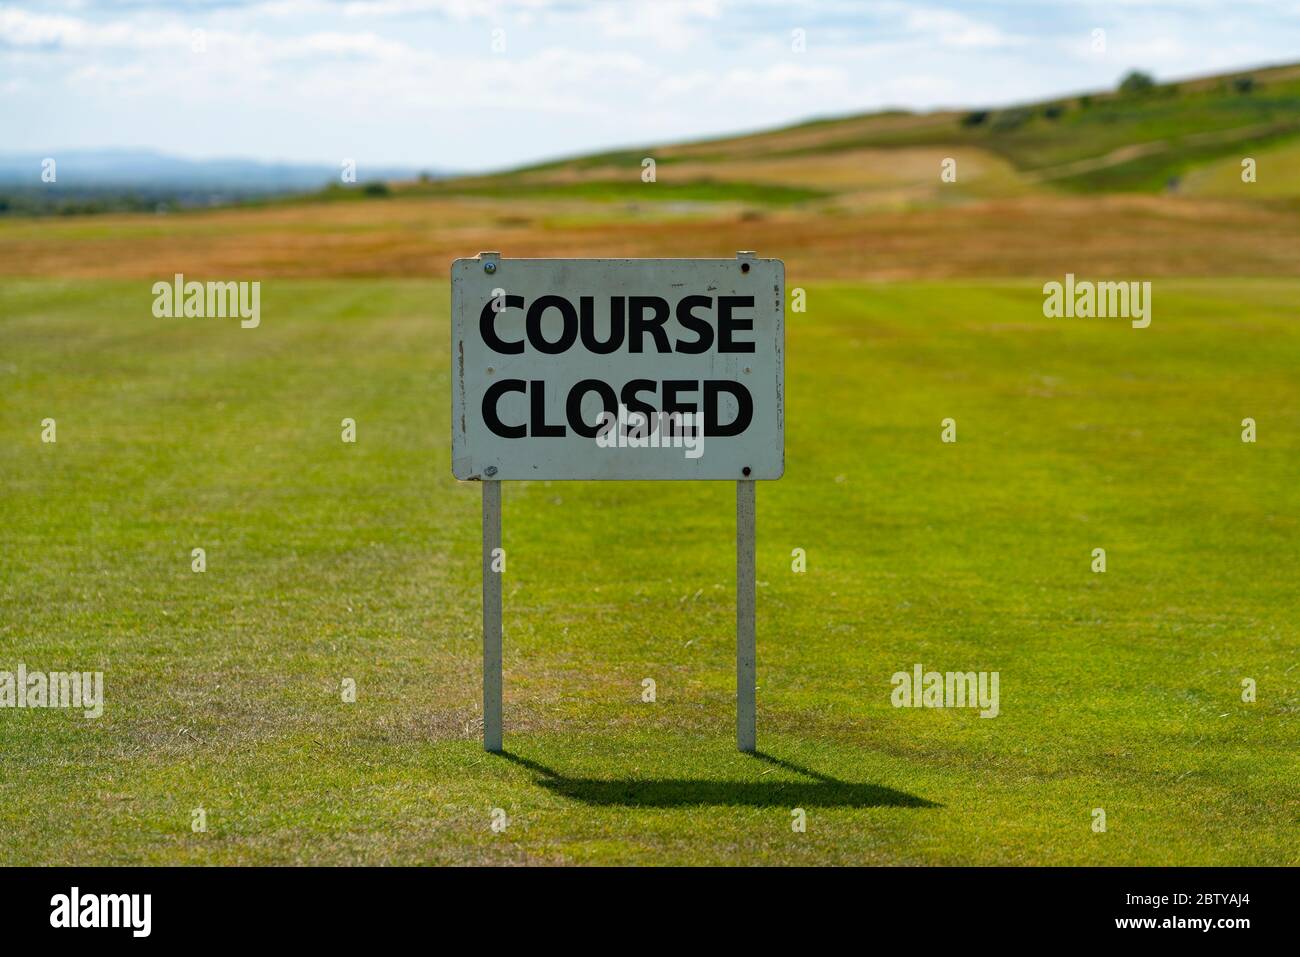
(631,190)
(1103,142)
(1277,176)
(1181,131)
(628,190)
(329,561)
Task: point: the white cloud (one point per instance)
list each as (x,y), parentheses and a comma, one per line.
(783,82)
(952,29)
(416,80)
(95,75)
(670,24)
(23,29)
(340,44)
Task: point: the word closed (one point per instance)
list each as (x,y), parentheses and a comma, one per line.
(618,368)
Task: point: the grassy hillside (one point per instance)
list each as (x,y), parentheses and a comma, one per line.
(1130,142)
(1144,182)
(1162,139)
(1277,172)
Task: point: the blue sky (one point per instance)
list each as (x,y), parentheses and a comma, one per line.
(483,84)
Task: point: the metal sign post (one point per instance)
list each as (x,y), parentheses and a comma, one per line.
(491,617)
(618,369)
(746,653)
(746,665)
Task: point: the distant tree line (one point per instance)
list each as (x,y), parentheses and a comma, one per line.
(1134,83)
(85,201)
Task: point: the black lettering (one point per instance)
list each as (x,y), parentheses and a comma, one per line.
(628,395)
(616,326)
(574,406)
(670,388)
(639,325)
(744,412)
(490,399)
(727,323)
(538,428)
(703,331)
(487,328)
(534,324)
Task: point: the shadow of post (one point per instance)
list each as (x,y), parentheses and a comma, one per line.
(820,790)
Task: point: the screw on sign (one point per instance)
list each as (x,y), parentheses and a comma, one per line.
(618,369)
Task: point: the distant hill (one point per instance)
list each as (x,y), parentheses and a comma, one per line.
(1186,136)
(87,180)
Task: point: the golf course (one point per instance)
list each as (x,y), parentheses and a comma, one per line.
(308,690)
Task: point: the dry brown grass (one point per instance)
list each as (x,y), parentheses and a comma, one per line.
(867,178)
(812,136)
(1130,235)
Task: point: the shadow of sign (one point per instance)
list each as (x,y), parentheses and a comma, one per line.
(819,791)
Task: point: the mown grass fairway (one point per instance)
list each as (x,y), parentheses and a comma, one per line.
(328,561)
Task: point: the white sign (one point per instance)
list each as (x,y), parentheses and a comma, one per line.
(618,368)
